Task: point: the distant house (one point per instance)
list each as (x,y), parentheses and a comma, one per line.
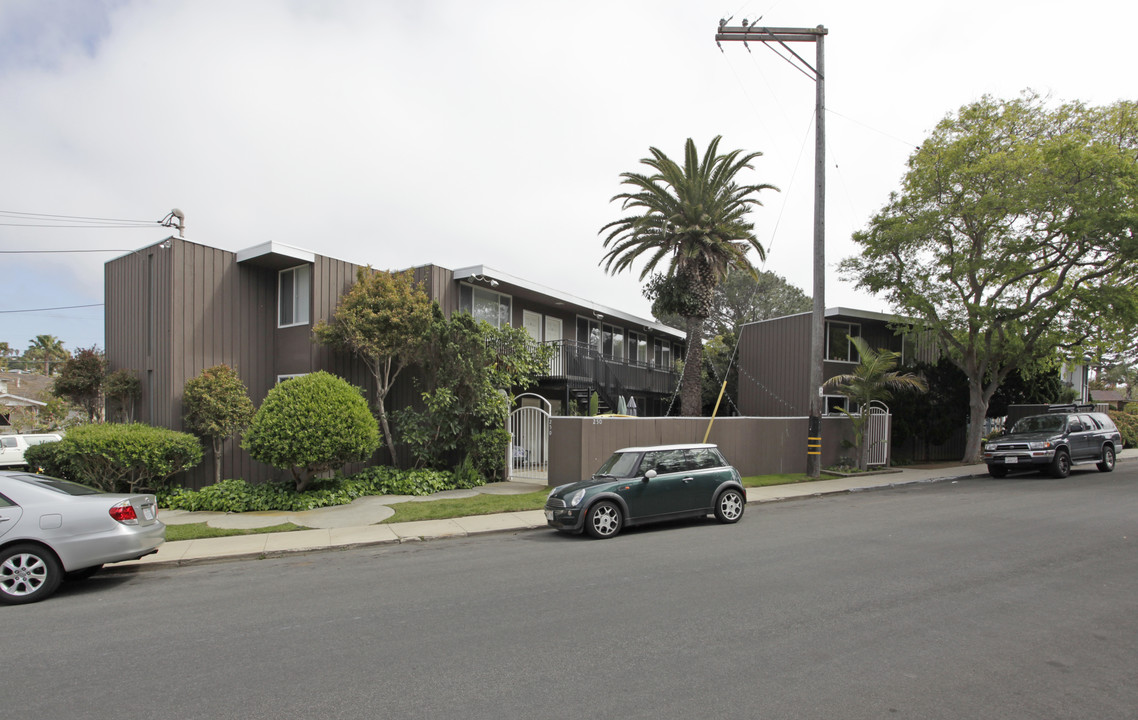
(775,356)
(12,402)
(177,307)
(1115,399)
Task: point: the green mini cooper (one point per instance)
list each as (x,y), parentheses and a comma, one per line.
(644,484)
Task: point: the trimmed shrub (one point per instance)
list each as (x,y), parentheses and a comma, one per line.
(239,496)
(312,424)
(118,458)
(1127,425)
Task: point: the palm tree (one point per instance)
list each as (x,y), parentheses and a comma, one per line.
(874,378)
(47,348)
(692,218)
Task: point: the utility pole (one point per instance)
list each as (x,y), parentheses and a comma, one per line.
(776,38)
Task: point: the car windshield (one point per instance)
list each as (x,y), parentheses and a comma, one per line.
(620,465)
(60,486)
(1040,423)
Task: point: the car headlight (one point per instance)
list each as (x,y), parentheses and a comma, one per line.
(1046,444)
(553,492)
(575,499)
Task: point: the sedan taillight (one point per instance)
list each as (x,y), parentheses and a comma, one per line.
(124,513)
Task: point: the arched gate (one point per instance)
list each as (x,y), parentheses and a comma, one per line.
(529,441)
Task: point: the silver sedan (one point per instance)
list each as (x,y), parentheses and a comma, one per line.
(51,529)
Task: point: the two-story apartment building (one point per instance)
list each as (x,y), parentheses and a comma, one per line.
(177,307)
(774,358)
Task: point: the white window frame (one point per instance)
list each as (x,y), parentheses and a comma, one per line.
(468,308)
(282,378)
(852,330)
(301,298)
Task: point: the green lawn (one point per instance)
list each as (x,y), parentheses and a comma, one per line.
(464,507)
(783,479)
(442,509)
(195,531)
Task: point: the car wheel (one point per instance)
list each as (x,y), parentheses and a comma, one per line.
(603,520)
(82,573)
(27,573)
(729,506)
(1061,464)
(1107,463)
(997,472)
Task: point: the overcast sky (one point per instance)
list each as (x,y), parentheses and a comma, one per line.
(460,133)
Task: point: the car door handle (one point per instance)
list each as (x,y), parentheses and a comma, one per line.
(688,480)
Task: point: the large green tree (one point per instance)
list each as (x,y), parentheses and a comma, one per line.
(383,320)
(692,222)
(1012,236)
(216,405)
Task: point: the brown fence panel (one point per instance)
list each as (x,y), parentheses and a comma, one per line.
(756,446)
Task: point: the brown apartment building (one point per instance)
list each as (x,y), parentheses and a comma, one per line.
(177,307)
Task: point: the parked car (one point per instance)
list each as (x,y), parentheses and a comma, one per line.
(646,484)
(1054,442)
(12,447)
(52,529)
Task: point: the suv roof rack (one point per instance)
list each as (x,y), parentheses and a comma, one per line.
(1071,407)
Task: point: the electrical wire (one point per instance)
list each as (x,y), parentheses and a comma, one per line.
(74,219)
(36,252)
(63,307)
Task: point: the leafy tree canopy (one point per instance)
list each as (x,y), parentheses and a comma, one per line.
(383,320)
(1013,235)
(739,299)
(80,380)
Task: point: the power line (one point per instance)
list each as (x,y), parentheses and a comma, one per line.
(63,307)
(73,218)
(36,252)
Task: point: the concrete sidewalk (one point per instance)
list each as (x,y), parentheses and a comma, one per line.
(354,525)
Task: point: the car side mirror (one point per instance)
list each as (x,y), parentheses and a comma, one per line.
(649,475)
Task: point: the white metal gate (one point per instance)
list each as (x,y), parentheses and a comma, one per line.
(529,441)
(877,432)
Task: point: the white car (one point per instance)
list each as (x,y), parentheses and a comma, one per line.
(52,529)
(12,447)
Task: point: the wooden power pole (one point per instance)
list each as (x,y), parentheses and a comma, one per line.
(777,38)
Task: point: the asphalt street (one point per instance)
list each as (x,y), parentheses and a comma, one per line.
(981,598)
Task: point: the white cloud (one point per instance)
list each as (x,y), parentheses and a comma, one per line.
(458,133)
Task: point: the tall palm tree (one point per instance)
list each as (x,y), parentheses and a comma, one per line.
(47,348)
(693,218)
(874,378)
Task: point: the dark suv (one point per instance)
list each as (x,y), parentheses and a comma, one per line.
(1054,442)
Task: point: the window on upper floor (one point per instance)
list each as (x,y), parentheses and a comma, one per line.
(612,339)
(839,347)
(294,296)
(637,348)
(483,304)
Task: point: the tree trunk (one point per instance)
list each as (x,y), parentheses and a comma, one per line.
(691,395)
(386,429)
(977,410)
(217,443)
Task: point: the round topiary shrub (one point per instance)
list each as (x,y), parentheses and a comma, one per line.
(312,424)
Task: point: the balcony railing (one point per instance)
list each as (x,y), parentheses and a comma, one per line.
(579,361)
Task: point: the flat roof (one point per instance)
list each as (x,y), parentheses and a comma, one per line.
(489,275)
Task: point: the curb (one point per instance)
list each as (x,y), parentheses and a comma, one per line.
(133,569)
